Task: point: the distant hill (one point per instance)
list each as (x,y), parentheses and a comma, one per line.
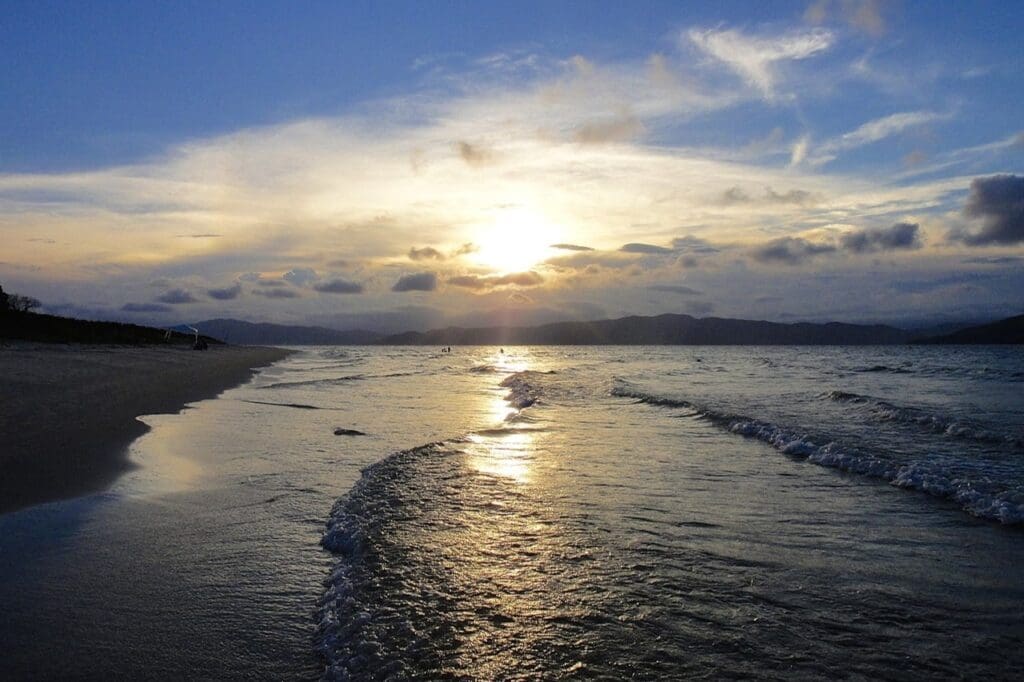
(266,334)
(1010,330)
(27,326)
(666,329)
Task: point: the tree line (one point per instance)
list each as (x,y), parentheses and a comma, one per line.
(17,303)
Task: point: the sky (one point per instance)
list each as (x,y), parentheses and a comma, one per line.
(394,166)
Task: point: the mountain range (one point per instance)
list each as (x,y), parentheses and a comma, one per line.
(667,329)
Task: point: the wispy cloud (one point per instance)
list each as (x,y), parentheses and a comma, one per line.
(755,58)
(873,131)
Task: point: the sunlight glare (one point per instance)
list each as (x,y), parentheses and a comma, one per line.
(516,241)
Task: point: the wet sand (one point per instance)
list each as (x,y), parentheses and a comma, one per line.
(68,412)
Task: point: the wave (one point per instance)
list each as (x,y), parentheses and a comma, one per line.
(952,427)
(357,634)
(884,368)
(329,381)
(499,431)
(976,494)
(522,393)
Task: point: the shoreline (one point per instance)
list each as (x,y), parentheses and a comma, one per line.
(69,412)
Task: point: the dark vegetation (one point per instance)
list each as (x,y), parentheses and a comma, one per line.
(25,326)
(19,323)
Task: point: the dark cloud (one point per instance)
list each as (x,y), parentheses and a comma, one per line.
(176,297)
(207,235)
(300,277)
(790,250)
(276,292)
(519,298)
(146,308)
(993,260)
(521,279)
(426,253)
(635,247)
(676,289)
(339,286)
(737,195)
(225,294)
(571,247)
(474,155)
(691,244)
(699,307)
(998,202)
(899,236)
(420,281)
(974,280)
(271,283)
(591,260)
(793,196)
(609,130)
(467,248)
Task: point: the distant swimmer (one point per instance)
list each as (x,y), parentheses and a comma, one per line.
(502,351)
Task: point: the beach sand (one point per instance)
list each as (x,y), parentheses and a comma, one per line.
(68,412)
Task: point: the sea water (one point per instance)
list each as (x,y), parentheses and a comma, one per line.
(549,513)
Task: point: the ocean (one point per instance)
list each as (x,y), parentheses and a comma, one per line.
(549,513)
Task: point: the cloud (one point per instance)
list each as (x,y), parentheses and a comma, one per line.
(676,289)
(270,283)
(225,294)
(591,260)
(873,131)
(699,307)
(993,260)
(899,236)
(521,279)
(799,151)
(202,235)
(300,277)
(997,202)
(176,297)
(863,15)
(790,250)
(339,286)
(420,281)
(691,244)
(571,247)
(426,253)
(146,308)
(650,249)
(276,292)
(610,130)
(754,57)
(474,155)
(465,249)
(737,195)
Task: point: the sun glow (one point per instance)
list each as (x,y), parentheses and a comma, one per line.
(516,241)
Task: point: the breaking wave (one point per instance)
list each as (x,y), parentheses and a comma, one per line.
(952,427)
(973,487)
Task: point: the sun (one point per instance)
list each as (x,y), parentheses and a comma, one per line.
(515,241)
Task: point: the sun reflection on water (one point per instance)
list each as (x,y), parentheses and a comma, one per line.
(507,449)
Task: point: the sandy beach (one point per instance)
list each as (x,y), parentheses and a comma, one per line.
(67,412)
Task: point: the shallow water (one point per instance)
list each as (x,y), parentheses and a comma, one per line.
(550,512)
